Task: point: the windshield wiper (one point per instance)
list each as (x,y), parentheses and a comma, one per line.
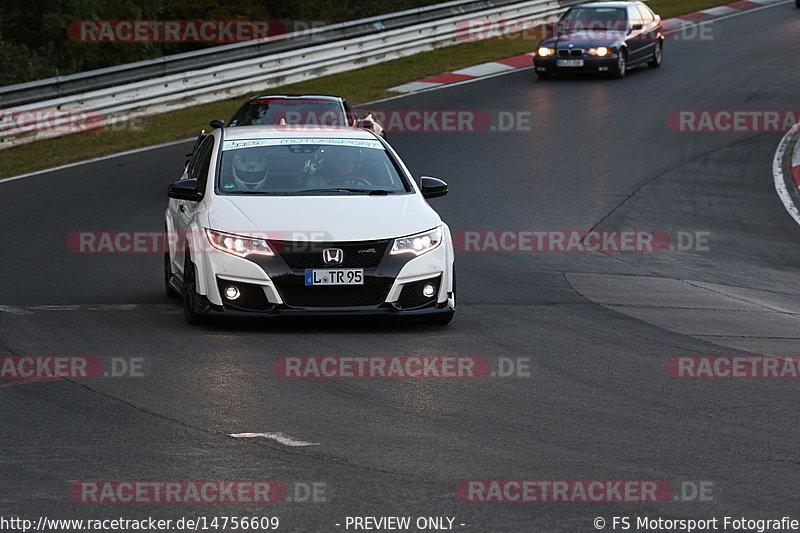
(259,193)
(351,190)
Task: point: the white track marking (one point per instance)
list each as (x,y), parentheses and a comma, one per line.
(92,307)
(30,309)
(721,11)
(280,438)
(95,160)
(14,310)
(796,158)
(414,86)
(777,171)
(676,24)
(484,69)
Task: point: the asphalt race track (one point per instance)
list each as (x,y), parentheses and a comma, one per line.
(597,328)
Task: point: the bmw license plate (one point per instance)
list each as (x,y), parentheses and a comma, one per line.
(341,276)
(569,62)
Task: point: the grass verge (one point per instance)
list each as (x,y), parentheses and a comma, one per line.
(358,86)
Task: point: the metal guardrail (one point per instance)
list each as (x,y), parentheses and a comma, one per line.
(60,86)
(236,78)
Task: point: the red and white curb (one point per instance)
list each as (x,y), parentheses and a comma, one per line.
(673,25)
(796,163)
(478,71)
(786,171)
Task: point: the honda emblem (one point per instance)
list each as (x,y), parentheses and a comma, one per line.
(333,256)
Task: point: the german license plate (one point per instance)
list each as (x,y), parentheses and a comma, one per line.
(340,276)
(569,62)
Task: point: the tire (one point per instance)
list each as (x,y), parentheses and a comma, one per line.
(167,276)
(658,55)
(168,269)
(191,300)
(619,70)
(546,75)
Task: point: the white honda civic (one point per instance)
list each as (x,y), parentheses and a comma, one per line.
(272,221)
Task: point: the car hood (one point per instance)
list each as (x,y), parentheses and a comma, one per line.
(585,38)
(328,218)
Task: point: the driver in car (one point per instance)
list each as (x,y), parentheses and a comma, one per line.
(336,166)
(249,170)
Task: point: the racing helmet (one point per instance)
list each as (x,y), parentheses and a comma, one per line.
(249,170)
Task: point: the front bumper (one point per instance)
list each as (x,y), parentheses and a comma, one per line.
(275,286)
(286,311)
(591,64)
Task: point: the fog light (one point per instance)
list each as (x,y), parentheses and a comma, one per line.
(231,293)
(428,290)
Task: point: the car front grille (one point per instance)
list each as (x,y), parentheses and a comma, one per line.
(296,294)
(364,254)
(572,52)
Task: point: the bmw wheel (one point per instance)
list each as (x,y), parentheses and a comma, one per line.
(620,68)
(658,55)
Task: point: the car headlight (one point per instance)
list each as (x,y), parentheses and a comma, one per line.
(238,244)
(599,51)
(418,244)
(545,51)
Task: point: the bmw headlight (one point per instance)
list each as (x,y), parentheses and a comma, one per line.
(238,244)
(545,51)
(418,244)
(599,51)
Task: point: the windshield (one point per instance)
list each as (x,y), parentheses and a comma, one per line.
(308,166)
(595,18)
(290,111)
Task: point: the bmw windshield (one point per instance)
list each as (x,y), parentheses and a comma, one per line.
(308,166)
(594,18)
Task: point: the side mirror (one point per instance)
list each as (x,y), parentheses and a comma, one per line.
(217,123)
(636,27)
(185,190)
(365,123)
(432,187)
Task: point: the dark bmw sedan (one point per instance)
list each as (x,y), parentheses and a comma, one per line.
(601,37)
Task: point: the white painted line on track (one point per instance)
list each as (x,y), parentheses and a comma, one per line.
(13,310)
(777,171)
(31,309)
(484,69)
(84,307)
(677,24)
(95,160)
(448,85)
(414,86)
(280,438)
(720,11)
